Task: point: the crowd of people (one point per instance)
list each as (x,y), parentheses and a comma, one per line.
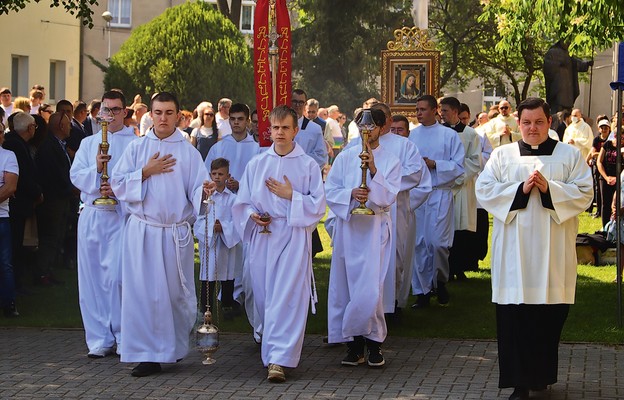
(177,174)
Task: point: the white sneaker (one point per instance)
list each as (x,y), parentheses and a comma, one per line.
(101,352)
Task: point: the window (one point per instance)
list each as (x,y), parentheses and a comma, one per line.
(122,12)
(247,16)
(19,75)
(56,91)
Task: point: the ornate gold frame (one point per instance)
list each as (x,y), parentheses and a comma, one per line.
(411,53)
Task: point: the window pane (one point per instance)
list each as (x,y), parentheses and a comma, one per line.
(246,18)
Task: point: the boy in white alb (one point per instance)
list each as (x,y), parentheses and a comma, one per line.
(224,250)
(286,184)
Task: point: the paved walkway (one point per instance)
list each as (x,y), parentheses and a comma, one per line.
(37,364)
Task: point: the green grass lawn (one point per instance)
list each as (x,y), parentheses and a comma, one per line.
(469,315)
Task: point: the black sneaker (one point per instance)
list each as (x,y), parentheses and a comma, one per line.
(146,369)
(443,294)
(353,359)
(375,358)
(422,301)
(10,311)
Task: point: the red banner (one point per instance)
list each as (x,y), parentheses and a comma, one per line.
(263,75)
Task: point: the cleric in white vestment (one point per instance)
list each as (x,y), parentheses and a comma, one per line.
(535,189)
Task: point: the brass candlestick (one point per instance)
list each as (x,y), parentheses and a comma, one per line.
(104,117)
(366,124)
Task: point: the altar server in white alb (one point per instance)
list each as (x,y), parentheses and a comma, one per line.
(535,189)
(443,152)
(285,184)
(415,177)
(160,180)
(220,250)
(100,233)
(363,246)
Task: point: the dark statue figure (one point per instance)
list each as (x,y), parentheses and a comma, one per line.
(561,75)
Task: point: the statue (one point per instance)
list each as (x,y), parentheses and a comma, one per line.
(561,75)
(420,13)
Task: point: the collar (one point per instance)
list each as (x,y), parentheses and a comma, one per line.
(458,127)
(176,136)
(296,152)
(546,148)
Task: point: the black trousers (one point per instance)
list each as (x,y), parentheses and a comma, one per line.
(606,198)
(52,217)
(528,343)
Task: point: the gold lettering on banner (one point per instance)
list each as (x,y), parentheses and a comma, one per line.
(283,67)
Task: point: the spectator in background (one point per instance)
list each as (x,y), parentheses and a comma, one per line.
(53,163)
(36,98)
(91,124)
(185,121)
(606,164)
(28,193)
(77,132)
(222,117)
(6,103)
(311,112)
(9,172)
(45,110)
(253,127)
(140,109)
(21,103)
(204,137)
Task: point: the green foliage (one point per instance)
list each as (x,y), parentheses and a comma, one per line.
(336,49)
(191,50)
(80,8)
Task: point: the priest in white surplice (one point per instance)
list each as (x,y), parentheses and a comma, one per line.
(99,233)
(159,178)
(443,152)
(503,129)
(362,246)
(535,190)
(285,183)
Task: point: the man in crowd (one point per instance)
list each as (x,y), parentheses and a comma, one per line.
(53,163)
(9,172)
(222,117)
(311,112)
(28,194)
(443,152)
(578,133)
(535,190)
(6,103)
(464,198)
(100,229)
(160,178)
(91,124)
(503,129)
(310,134)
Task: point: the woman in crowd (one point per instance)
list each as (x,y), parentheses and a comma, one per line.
(204,137)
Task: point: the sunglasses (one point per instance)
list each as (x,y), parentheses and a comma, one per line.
(504,108)
(298,102)
(209,115)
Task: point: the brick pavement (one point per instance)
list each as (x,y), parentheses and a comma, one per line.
(37,364)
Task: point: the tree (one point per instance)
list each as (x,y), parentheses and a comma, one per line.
(191,50)
(337,45)
(233,14)
(80,8)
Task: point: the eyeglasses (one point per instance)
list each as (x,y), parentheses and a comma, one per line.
(47,111)
(504,108)
(116,110)
(298,102)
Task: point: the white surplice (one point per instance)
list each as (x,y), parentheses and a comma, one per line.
(99,243)
(225,251)
(362,245)
(434,218)
(464,198)
(495,128)
(582,135)
(159,305)
(533,248)
(280,263)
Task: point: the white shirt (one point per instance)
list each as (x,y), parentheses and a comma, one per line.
(223,125)
(8,163)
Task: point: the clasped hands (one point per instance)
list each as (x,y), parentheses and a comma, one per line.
(536,179)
